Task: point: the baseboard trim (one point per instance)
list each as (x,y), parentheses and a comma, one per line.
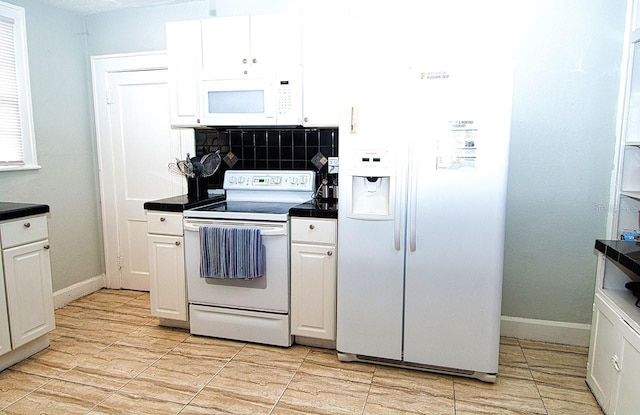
(73,292)
(545,330)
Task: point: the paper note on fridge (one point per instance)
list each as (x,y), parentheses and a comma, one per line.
(457,149)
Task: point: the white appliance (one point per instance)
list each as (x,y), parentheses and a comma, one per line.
(273,101)
(249,310)
(421,220)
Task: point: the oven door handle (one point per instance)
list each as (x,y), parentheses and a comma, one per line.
(265,230)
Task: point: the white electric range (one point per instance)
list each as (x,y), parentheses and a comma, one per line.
(254,310)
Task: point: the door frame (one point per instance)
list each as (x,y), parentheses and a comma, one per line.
(101,67)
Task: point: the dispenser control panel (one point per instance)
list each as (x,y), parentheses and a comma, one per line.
(374,161)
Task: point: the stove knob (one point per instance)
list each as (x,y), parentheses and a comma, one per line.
(294,180)
(304,179)
(277,180)
(232,179)
(240,179)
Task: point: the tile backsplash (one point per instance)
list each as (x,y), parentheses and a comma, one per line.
(268,149)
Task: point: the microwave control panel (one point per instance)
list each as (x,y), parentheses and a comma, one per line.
(284,98)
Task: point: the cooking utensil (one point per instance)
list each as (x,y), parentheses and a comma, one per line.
(210,164)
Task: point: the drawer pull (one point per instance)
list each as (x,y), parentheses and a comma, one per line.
(311,227)
(27,225)
(329,253)
(177,243)
(162,219)
(47,246)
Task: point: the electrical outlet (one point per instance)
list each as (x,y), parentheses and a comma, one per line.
(333,165)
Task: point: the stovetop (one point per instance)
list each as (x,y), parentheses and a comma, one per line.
(259,195)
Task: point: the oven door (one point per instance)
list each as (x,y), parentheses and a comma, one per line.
(269,293)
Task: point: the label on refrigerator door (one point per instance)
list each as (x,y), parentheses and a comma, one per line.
(456,150)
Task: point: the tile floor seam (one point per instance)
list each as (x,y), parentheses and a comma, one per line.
(289,383)
(26,394)
(210,379)
(366,398)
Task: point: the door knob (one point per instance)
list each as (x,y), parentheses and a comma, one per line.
(177,243)
(311,227)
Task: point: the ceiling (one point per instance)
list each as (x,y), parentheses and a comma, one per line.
(98,6)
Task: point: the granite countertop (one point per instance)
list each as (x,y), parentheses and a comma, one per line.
(181,203)
(11,210)
(323,208)
(626,253)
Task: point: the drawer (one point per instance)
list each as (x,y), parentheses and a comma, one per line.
(164,223)
(321,231)
(24,230)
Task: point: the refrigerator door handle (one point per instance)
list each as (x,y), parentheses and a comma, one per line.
(396,215)
(413,196)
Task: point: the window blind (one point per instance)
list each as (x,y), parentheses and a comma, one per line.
(11,144)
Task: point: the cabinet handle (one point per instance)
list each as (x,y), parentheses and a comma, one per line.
(329,253)
(311,227)
(177,243)
(306,119)
(614,361)
(46,246)
(254,60)
(27,225)
(163,219)
(244,60)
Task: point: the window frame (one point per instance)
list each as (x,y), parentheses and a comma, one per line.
(30,160)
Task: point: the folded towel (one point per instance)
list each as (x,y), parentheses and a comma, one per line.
(230,252)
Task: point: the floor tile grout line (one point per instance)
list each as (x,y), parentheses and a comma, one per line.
(273,408)
(212,377)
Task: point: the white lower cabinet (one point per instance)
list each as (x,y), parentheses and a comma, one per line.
(168,286)
(614,351)
(313,278)
(26,295)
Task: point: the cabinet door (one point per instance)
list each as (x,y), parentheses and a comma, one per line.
(184,52)
(226,48)
(603,352)
(275,45)
(167,278)
(5,337)
(29,292)
(313,291)
(628,385)
(321,50)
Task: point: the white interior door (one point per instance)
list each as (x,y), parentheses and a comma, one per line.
(136,143)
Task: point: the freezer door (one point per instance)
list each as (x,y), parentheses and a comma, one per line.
(455,225)
(370,280)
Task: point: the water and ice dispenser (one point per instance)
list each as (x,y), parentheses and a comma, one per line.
(371,194)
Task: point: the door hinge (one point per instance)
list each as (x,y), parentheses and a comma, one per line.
(119,262)
(108,97)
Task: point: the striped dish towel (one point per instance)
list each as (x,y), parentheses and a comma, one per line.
(230,253)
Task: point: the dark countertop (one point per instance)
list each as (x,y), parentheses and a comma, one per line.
(626,253)
(180,203)
(323,208)
(11,210)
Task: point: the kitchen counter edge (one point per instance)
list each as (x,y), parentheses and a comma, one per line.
(13,210)
(180,203)
(626,253)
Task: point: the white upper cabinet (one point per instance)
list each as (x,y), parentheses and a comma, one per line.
(184,51)
(321,54)
(226,48)
(261,46)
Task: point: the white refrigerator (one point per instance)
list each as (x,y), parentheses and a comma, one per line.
(423,175)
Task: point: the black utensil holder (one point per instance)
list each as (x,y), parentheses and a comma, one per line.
(197,187)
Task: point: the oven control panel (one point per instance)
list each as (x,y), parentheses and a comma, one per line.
(283,180)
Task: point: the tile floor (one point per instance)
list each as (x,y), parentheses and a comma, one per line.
(109,356)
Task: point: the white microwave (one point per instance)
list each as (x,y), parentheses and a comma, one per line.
(252,102)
